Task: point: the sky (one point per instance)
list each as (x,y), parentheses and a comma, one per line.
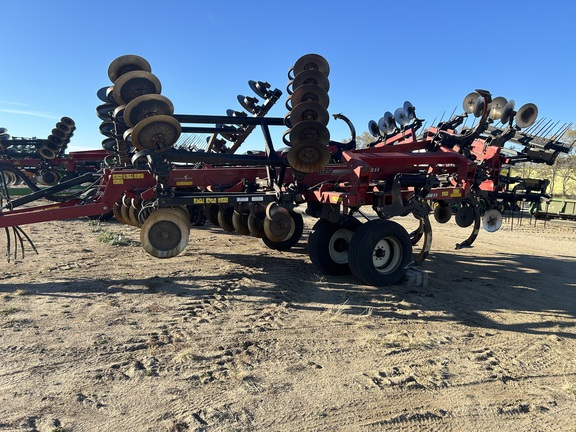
(55,57)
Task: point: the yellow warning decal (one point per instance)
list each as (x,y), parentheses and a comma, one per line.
(184,183)
(119,178)
(335,199)
(211,200)
(456,193)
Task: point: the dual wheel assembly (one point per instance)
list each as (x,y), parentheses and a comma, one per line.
(378,252)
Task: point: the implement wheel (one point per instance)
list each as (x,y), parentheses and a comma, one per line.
(309,111)
(308,157)
(465,215)
(147,106)
(283,231)
(256,221)
(127,63)
(379,252)
(211,211)
(133,84)
(117,211)
(197,215)
(328,245)
(240,222)
(165,233)
(225,218)
(156,133)
(134,210)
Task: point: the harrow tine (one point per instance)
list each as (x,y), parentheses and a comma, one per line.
(537,127)
(560,132)
(534,127)
(543,128)
(18,237)
(21,231)
(549,129)
(8,243)
(5,193)
(198,142)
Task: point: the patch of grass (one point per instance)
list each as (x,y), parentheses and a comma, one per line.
(95,225)
(113,239)
(336,311)
(109,237)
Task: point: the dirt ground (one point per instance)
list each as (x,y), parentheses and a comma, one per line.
(232,336)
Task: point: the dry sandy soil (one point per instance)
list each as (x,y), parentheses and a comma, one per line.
(232,336)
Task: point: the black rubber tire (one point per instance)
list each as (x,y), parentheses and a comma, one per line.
(328,245)
(292,240)
(372,239)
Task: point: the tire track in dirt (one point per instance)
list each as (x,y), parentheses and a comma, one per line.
(357,414)
(233,336)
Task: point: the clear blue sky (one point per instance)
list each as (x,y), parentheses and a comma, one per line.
(55,56)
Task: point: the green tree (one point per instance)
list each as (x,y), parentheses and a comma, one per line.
(570,138)
(364,139)
(566,167)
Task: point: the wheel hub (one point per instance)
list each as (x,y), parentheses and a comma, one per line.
(164,235)
(386,255)
(338,247)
